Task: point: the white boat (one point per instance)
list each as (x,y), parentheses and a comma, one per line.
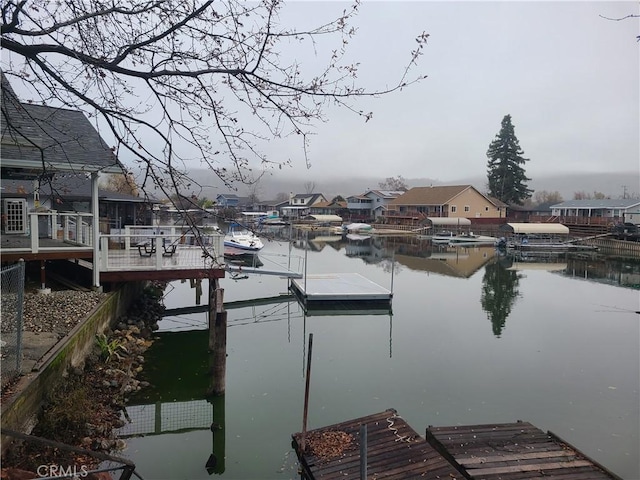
(470,237)
(357,227)
(442,237)
(240,237)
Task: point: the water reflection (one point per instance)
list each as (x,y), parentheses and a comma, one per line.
(177,400)
(500,290)
(607,270)
(356,373)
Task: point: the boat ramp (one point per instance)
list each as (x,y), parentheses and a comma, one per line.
(388,448)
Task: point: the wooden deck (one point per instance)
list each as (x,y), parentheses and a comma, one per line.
(395,451)
(513,451)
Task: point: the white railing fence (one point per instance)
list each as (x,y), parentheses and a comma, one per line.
(71,227)
(146,250)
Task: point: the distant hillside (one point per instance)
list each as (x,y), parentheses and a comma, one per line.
(611,184)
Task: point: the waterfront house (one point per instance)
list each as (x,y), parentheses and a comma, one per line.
(68,192)
(40,143)
(597,212)
(300,204)
(371,205)
(332,207)
(231,200)
(458,201)
(44,146)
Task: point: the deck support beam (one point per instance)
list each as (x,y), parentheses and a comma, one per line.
(217,337)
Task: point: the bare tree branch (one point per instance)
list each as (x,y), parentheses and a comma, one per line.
(182,81)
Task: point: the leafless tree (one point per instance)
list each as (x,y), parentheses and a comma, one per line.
(281,197)
(181,82)
(122,183)
(394,183)
(544,196)
(309,187)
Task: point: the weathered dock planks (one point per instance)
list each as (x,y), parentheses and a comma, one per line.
(394,451)
(513,451)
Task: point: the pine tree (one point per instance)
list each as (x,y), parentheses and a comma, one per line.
(505,168)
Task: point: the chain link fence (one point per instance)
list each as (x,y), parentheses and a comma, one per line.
(11,303)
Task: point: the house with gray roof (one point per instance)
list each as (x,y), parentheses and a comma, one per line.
(372,204)
(39,142)
(604,211)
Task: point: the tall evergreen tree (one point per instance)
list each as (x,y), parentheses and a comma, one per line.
(505,169)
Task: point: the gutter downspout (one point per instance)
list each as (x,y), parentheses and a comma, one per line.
(95,211)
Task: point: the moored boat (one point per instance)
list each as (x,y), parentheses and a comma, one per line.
(240,237)
(472,238)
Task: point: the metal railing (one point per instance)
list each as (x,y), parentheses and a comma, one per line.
(89,462)
(11,321)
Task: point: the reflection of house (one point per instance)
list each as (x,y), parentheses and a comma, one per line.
(461,262)
(415,205)
(597,212)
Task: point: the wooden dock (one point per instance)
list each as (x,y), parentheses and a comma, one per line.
(511,451)
(395,451)
(506,451)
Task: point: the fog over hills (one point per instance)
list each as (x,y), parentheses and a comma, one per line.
(613,185)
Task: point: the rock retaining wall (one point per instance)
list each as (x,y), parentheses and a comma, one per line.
(20,410)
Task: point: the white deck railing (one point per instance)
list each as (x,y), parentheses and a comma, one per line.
(71,227)
(144,250)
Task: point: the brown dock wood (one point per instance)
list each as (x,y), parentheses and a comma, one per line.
(394,451)
(512,451)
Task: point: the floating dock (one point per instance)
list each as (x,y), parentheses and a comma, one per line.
(507,451)
(511,451)
(395,451)
(348,288)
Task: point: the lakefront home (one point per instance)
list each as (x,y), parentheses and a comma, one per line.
(371,205)
(39,143)
(598,212)
(458,201)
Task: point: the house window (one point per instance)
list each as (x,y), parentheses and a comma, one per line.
(15,215)
(486,209)
(467,208)
(453,209)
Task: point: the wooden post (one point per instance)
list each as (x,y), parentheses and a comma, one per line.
(217,336)
(363,451)
(306,397)
(43,276)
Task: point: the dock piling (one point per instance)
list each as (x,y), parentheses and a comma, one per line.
(306,396)
(217,337)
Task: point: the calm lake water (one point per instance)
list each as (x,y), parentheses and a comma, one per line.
(473,338)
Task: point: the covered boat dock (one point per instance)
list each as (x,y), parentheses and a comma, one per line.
(535,229)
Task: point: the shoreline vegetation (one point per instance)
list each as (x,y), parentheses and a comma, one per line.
(87,406)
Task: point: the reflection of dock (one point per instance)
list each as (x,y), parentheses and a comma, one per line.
(392,449)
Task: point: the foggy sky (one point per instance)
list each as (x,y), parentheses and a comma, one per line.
(568,77)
